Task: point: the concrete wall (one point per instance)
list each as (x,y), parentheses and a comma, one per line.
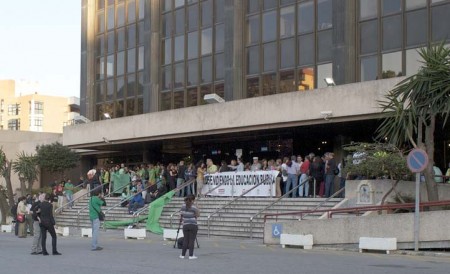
(13,142)
(378,188)
(356,101)
(433,229)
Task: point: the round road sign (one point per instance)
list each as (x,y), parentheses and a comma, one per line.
(417,160)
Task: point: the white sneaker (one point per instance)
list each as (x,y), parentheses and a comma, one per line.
(192,257)
(181,257)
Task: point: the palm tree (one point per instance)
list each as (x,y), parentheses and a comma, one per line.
(26,167)
(411,108)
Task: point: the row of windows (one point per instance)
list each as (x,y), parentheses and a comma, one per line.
(14,124)
(120,108)
(120,88)
(373,8)
(119,15)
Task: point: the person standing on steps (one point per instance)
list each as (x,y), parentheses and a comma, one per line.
(47,223)
(189,215)
(95,206)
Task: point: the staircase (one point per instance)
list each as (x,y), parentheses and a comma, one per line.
(233,221)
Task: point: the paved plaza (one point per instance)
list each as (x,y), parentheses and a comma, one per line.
(216,255)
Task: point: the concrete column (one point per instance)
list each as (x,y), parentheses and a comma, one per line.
(152,55)
(344,44)
(234,50)
(87,65)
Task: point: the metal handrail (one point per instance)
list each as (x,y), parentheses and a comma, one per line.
(360,209)
(185,184)
(109,195)
(232,201)
(274,202)
(199,198)
(324,202)
(78,198)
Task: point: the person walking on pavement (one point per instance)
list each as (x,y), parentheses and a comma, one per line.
(47,223)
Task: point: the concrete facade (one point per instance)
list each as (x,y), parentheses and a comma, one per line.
(341,231)
(345,102)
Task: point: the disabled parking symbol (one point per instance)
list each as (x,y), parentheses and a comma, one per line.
(277,229)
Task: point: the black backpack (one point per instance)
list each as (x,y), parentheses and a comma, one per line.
(180,243)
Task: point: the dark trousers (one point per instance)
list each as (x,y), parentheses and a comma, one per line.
(51,229)
(189,234)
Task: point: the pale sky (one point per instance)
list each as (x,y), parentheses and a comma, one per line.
(40,41)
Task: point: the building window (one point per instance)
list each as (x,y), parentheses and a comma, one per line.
(13,109)
(38,108)
(14,124)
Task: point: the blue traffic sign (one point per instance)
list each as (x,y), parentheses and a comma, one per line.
(417,160)
(277,229)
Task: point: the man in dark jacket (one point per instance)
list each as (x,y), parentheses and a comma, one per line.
(47,223)
(36,248)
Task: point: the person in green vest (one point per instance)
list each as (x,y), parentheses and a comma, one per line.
(68,191)
(95,206)
(151,174)
(105,179)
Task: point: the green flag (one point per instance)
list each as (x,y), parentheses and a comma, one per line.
(155,210)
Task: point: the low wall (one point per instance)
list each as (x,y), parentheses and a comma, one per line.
(371,192)
(433,229)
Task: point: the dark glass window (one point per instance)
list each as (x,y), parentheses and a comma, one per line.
(220,37)
(179,21)
(140,87)
(130,107)
(131,85)
(219,67)
(131,36)
(325,45)
(167,24)
(439,30)
(167,51)
(179,3)
(252,6)
(269,26)
(166,100)
(131,60)
(100,22)
(368,9)
(270,4)
(391,6)
(287,56)
(111,47)
(167,78)
(305,17)
(120,84)
(193,17)
(369,68)
(100,68)
(100,45)
(206,69)
(110,18)
(120,15)
(206,41)
(416,27)
(131,6)
(141,58)
(121,39)
(392,65)
(141,32)
(413,62)
(392,32)
(166,5)
(287,21)
(121,63)
(220,10)
(192,70)
(306,50)
(207,13)
(253,60)
(193,45)
(178,54)
(110,90)
(269,84)
(253,87)
(100,92)
(285,2)
(220,90)
(141,9)
(207,89)
(369,37)
(253,29)
(119,109)
(414,4)
(324,14)
(270,56)
(110,65)
(192,97)
(287,81)
(179,75)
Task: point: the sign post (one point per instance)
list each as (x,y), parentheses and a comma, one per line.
(417,161)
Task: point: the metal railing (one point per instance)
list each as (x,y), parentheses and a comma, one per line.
(78,198)
(138,213)
(359,210)
(199,198)
(87,206)
(274,202)
(324,202)
(232,201)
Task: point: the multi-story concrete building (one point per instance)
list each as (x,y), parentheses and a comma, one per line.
(34,112)
(160,58)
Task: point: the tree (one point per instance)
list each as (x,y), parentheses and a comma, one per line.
(56,158)
(6,196)
(412,107)
(26,167)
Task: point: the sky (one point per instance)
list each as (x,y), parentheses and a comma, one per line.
(40,42)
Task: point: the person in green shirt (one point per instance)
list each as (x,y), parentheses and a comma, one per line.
(95,206)
(151,174)
(68,191)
